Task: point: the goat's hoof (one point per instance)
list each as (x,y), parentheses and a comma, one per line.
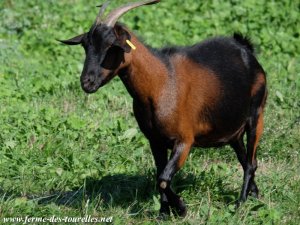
(164,209)
(179,209)
(164,213)
(254,194)
(239,203)
(254,190)
(163,216)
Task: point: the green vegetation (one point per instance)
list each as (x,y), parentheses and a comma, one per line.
(64,153)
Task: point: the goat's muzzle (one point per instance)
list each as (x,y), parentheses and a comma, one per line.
(90,83)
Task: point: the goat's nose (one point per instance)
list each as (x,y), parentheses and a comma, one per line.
(89,77)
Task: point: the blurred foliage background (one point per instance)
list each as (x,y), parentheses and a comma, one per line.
(65,153)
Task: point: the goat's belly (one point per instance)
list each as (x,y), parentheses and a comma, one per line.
(219,138)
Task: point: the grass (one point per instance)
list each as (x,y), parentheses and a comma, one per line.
(64,153)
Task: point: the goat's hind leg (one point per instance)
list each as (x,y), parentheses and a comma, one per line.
(248,158)
(254,130)
(240,150)
(253,136)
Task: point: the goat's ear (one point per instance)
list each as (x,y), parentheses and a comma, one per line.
(122,37)
(73,41)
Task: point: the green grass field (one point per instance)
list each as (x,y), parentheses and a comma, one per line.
(65,153)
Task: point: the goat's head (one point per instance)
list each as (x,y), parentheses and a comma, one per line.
(105,45)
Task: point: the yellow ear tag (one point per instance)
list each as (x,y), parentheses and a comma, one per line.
(130,44)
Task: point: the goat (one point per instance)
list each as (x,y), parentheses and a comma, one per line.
(206,95)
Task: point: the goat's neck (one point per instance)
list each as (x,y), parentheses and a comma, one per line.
(145,74)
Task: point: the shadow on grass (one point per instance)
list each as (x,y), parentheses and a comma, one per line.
(116,190)
(133,191)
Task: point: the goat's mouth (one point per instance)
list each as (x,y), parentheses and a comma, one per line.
(91,86)
(89,90)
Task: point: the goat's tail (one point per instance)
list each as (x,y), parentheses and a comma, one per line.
(244,41)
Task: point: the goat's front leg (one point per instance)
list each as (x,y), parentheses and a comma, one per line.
(160,154)
(180,152)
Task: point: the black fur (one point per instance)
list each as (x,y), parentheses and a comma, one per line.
(245,41)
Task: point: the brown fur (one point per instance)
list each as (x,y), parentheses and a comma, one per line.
(259,82)
(183,156)
(259,131)
(146,79)
(154,82)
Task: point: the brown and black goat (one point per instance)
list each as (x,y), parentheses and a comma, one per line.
(206,95)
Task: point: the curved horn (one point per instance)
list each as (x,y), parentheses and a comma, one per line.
(101,11)
(113,16)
